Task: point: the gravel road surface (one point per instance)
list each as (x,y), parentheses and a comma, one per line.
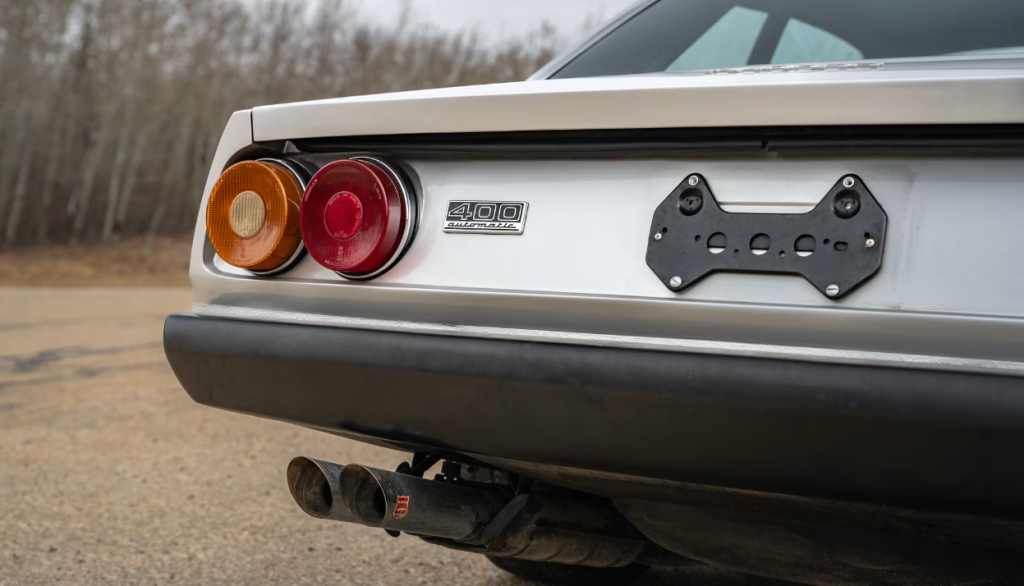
(110,474)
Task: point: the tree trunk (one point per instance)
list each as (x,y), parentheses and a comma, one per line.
(115,184)
(49,184)
(130,181)
(81,200)
(154,229)
(18,198)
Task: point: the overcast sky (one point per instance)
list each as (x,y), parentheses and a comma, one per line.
(499,18)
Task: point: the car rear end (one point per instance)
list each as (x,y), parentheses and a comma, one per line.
(772,317)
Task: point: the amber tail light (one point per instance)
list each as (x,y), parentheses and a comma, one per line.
(252,217)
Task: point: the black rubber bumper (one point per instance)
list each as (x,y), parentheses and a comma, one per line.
(896,436)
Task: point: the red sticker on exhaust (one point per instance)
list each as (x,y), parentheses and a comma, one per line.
(402,508)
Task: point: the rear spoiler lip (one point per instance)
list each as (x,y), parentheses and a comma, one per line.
(964,139)
(860,98)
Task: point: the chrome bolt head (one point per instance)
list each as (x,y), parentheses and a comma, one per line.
(693,180)
(657,236)
(849,182)
(832,291)
(870,243)
(675,282)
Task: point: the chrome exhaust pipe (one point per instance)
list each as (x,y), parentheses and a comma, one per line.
(400,502)
(315,486)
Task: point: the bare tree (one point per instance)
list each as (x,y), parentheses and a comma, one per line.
(110,110)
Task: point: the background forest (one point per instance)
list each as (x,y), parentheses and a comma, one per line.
(110,110)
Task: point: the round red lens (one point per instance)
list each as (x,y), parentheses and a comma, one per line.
(344,216)
(354,217)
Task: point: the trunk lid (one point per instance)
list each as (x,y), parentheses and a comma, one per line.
(801,98)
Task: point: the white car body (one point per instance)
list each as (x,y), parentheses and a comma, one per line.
(520,290)
(747,420)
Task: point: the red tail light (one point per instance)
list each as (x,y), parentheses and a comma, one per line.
(358,216)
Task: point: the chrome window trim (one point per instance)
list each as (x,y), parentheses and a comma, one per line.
(566,57)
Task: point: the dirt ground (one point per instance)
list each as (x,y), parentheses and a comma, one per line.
(110,474)
(161,262)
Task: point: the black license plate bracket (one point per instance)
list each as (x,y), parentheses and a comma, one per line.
(837,246)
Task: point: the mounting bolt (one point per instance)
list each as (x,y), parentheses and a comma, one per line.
(849,182)
(658,237)
(832,291)
(846,204)
(675,282)
(869,243)
(693,180)
(691,203)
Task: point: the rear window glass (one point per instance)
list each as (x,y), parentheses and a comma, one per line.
(693,35)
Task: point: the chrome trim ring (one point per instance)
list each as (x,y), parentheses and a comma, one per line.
(412,217)
(299,174)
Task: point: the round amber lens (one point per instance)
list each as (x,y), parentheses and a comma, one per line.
(252,215)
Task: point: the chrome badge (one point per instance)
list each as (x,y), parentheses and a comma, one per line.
(486,217)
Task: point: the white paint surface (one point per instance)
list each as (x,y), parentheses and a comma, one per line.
(960,96)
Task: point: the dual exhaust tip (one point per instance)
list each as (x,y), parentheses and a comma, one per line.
(316,487)
(546,524)
(389,500)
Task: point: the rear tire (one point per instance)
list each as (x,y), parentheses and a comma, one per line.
(563,575)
